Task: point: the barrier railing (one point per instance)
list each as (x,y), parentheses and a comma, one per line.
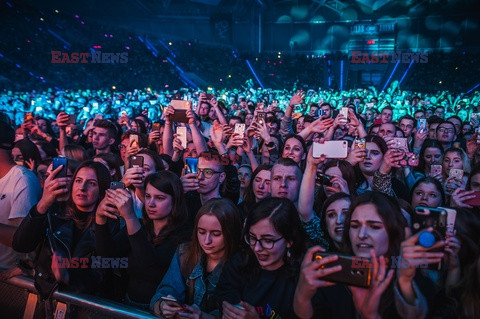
(19,299)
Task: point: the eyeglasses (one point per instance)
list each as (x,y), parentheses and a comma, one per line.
(448,130)
(264,242)
(207,172)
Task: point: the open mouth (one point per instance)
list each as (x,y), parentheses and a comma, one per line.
(364,246)
(338,230)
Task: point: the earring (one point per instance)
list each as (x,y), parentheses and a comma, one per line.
(288,253)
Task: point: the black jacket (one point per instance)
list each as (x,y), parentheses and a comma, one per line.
(68,242)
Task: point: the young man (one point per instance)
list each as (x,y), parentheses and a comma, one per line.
(408,126)
(104,133)
(19,191)
(446,134)
(386,115)
(285,180)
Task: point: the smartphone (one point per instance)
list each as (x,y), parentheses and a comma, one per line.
(425,217)
(156,126)
(136,161)
(359,143)
(421,125)
(191,164)
(182,135)
(353,273)
(180,114)
(240,129)
(456,173)
(344,112)
(323,179)
(72,119)
(133,140)
(435,170)
(451,217)
(474,201)
(332,149)
(260,118)
(319,113)
(400,143)
(57,161)
(171,302)
(117,185)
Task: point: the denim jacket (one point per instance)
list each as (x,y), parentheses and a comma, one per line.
(174,284)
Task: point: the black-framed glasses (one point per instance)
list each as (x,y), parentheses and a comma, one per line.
(448,130)
(207,172)
(266,243)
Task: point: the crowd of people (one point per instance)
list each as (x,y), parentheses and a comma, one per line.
(231,204)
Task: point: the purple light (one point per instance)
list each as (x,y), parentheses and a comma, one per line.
(127,47)
(41,78)
(82,22)
(111,35)
(189,44)
(105,35)
(221,80)
(76,16)
(166,85)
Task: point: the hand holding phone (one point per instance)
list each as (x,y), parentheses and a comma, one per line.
(57,161)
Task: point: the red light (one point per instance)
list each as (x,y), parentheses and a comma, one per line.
(97,47)
(369,42)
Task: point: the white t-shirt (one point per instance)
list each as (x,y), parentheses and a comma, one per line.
(19,191)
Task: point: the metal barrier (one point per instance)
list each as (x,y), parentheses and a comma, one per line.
(19,299)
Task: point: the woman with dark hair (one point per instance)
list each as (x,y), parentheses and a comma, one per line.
(295,148)
(341,176)
(262,278)
(332,219)
(149,243)
(66,230)
(134,177)
(245,178)
(195,269)
(427,192)
(258,189)
(138,126)
(431,153)
(26,153)
(375,164)
(374,228)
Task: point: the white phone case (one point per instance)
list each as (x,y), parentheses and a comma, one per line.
(332,149)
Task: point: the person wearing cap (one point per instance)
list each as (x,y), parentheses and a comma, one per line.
(19,191)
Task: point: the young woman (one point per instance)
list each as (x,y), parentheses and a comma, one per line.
(370,161)
(431,153)
(149,243)
(258,189)
(134,177)
(333,216)
(66,230)
(195,269)
(455,158)
(294,148)
(341,176)
(427,192)
(245,177)
(374,227)
(262,279)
